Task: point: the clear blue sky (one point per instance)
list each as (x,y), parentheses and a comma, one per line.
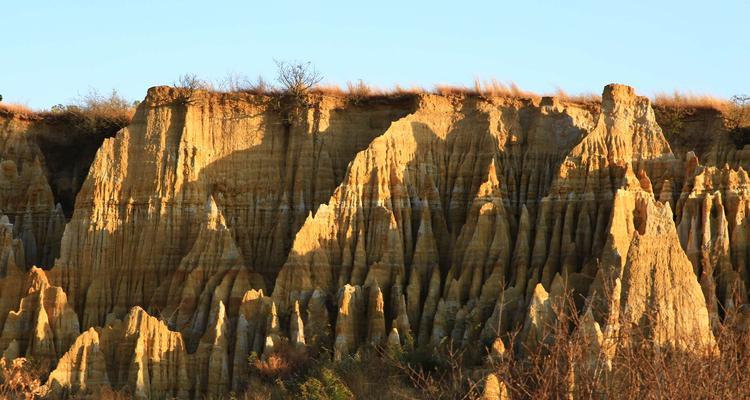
(53,51)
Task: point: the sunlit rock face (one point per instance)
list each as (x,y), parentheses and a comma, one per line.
(218,227)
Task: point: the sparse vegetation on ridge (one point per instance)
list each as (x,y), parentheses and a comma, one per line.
(301,78)
(88,111)
(13,108)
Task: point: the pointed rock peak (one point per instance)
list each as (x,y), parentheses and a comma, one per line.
(588,319)
(540,295)
(667,190)
(347,291)
(252,294)
(136,312)
(491,186)
(630,181)
(426,216)
(268,346)
(645,182)
(494,389)
(221,311)
(394,339)
(557,289)
(273,326)
(691,163)
(652,217)
(36,280)
(214,218)
(497,351)
(138,318)
(492,171)
(524,221)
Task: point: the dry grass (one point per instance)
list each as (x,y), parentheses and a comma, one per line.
(360,90)
(442,373)
(564,366)
(91,106)
(12,108)
(91,114)
(21,379)
(487,88)
(583,98)
(689,100)
(285,361)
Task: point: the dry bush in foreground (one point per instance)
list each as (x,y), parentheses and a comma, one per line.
(440,374)
(21,379)
(285,361)
(569,364)
(565,366)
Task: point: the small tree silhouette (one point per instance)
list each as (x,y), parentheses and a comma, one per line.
(297,78)
(190,84)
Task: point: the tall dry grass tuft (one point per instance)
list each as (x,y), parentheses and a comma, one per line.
(690,100)
(285,361)
(359,89)
(495,88)
(583,98)
(13,108)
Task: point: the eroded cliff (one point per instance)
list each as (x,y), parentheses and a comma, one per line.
(218,226)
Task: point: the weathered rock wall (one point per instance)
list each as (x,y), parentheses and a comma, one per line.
(216,226)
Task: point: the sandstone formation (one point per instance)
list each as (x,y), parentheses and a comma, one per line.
(139,352)
(218,228)
(660,298)
(25,195)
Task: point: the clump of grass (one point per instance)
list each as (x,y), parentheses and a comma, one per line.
(690,100)
(495,88)
(92,105)
(582,98)
(285,361)
(15,109)
(92,113)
